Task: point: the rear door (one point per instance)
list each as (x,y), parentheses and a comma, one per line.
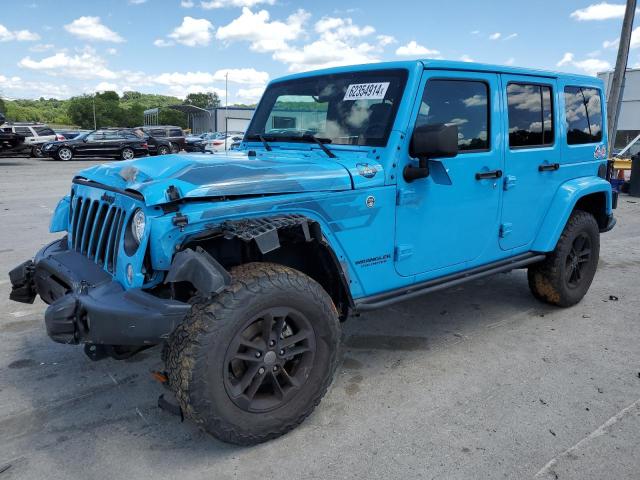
(532,156)
(451,218)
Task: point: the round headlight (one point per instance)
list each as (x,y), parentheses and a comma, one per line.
(138,222)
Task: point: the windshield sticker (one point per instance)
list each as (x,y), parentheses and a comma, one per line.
(366,91)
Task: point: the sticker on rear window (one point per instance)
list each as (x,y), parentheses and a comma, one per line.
(366,91)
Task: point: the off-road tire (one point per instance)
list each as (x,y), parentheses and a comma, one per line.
(195,358)
(548,279)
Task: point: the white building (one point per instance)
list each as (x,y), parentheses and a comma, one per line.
(629,117)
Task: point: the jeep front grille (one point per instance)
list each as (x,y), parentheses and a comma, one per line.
(96,229)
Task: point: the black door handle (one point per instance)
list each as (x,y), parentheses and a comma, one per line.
(548,167)
(489,174)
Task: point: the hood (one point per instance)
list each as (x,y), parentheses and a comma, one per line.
(222,174)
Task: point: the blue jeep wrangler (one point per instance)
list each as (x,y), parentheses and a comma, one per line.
(353,188)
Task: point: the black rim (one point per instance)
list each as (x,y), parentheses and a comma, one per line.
(269,360)
(578,260)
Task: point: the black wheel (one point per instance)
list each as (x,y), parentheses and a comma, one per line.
(174,148)
(65,154)
(564,277)
(36,151)
(163,150)
(127,153)
(253,362)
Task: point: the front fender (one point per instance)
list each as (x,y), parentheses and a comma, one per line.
(60,218)
(563,204)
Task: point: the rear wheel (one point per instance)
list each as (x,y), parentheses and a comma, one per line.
(163,150)
(65,154)
(174,148)
(36,151)
(564,277)
(127,153)
(253,362)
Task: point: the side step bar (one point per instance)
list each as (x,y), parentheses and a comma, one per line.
(385,299)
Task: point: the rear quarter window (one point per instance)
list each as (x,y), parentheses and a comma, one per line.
(175,132)
(583,115)
(43,131)
(157,132)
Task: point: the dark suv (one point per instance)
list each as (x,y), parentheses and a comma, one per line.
(108,142)
(169,132)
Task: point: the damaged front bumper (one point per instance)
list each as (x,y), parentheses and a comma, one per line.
(87,306)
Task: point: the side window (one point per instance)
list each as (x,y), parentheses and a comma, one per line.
(530,115)
(156,132)
(43,131)
(25,131)
(175,132)
(583,115)
(463,103)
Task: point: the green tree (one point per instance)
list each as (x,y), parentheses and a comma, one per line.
(203,100)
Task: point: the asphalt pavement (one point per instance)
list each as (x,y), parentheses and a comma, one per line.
(477,382)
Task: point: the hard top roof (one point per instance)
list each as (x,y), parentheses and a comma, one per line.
(450,65)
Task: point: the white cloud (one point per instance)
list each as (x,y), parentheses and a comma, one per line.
(41,47)
(7,35)
(495,36)
(247,76)
(413,49)
(17,87)
(590,66)
(511,36)
(212,4)
(250,95)
(83,65)
(91,28)
(187,3)
(567,58)
(104,86)
(510,61)
(137,2)
(385,40)
(635,40)
(263,35)
(599,11)
(112,51)
(193,32)
(466,58)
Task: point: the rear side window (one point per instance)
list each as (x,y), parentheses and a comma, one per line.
(463,103)
(24,131)
(583,114)
(175,132)
(156,132)
(530,115)
(44,131)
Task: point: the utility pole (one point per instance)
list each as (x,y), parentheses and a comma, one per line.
(617,83)
(94,112)
(226,109)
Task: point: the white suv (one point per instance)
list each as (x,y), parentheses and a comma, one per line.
(35,134)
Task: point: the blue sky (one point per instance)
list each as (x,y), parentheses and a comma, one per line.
(63,48)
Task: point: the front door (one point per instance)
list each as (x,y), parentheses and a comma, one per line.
(532,157)
(451,218)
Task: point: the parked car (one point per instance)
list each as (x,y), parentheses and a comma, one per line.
(108,142)
(172,133)
(421,175)
(35,135)
(223,142)
(157,146)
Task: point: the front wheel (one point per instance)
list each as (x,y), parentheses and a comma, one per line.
(127,154)
(36,151)
(65,154)
(253,362)
(163,150)
(564,277)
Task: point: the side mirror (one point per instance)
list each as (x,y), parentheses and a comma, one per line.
(429,142)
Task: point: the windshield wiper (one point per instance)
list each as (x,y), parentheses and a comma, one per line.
(261,138)
(313,138)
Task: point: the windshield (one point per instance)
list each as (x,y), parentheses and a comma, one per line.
(354,108)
